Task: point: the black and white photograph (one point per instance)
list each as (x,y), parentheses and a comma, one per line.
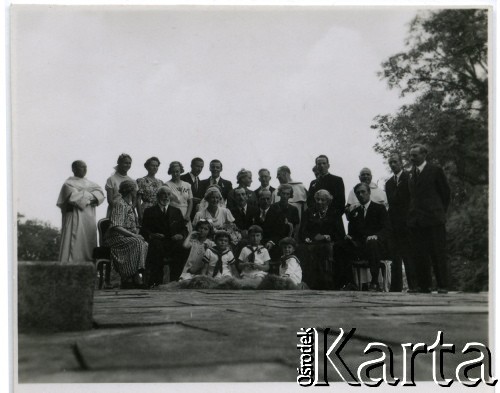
(253,194)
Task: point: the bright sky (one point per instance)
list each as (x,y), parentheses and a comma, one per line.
(253,87)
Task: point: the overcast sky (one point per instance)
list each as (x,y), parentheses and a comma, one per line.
(254,87)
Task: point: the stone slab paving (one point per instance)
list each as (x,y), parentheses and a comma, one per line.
(243,336)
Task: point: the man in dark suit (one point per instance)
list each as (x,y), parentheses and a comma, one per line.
(224,185)
(164,229)
(331,183)
(273,223)
(285,192)
(192,178)
(264,179)
(244,214)
(398,197)
(366,239)
(429,201)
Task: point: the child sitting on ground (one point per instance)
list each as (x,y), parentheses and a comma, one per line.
(198,241)
(254,258)
(219,260)
(290,265)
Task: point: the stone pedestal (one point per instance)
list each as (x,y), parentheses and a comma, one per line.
(55,296)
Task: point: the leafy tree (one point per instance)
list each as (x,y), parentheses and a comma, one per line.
(37,240)
(444,69)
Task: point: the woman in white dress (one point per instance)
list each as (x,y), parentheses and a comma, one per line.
(182,195)
(219,216)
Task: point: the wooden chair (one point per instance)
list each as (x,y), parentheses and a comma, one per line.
(102,254)
(362,268)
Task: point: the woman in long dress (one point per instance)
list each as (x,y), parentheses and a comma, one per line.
(182,195)
(113,182)
(128,248)
(148,185)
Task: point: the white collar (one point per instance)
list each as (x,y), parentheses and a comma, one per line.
(421,166)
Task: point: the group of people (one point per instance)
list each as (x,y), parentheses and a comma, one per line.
(207,227)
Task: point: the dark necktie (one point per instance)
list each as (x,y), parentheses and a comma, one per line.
(262,215)
(251,257)
(195,185)
(218,265)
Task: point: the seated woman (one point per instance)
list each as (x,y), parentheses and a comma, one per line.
(320,229)
(182,195)
(220,217)
(148,186)
(128,248)
(113,182)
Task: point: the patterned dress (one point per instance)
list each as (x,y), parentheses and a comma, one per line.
(148,188)
(128,253)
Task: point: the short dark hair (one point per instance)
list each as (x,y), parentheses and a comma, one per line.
(151,159)
(396,153)
(216,161)
(284,168)
(122,156)
(419,146)
(359,185)
(255,229)
(75,163)
(174,164)
(322,156)
(196,159)
(205,222)
(288,241)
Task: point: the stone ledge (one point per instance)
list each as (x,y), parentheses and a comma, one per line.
(55,296)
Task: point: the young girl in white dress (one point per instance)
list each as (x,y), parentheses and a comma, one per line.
(198,241)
